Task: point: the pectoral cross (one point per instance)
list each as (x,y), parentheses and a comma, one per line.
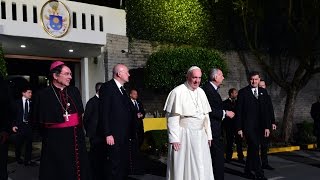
(66,115)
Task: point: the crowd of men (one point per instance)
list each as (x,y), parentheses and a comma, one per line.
(197,118)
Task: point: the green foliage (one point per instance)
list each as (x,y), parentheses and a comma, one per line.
(3,67)
(167,68)
(156,142)
(175,21)
(304,133)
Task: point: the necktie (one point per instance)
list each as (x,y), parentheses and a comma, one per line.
(26,109)
(136,104)
(123,91)
(255,93)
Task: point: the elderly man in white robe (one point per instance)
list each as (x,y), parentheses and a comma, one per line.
(189,130)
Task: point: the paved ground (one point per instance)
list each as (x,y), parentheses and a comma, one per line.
(297,165)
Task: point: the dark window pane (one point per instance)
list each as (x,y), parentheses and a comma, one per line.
(74,20)
(101,23)
(92,22)
(35,15)
(83,21)
(3,10)
(24,13)
(14,11)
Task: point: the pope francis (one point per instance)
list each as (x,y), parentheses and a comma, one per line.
(189,131)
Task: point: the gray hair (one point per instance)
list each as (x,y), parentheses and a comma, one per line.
(213,73)
(191,69)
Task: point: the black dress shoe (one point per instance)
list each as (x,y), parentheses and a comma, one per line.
(249,175)
(30,163)
(267,166)
(19,161)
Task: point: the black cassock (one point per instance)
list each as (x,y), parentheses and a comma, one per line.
(63,155)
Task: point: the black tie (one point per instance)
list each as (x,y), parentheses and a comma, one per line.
(26,109)
(136,104)
(123,91)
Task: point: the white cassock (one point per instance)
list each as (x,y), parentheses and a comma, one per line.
(188,123)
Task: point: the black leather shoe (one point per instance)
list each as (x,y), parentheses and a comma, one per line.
(30,163)
(249,175)
(267,166)
(19,161)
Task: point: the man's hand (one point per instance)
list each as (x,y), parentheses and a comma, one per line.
(240,133)
(274,127)
(140,115)
(110,140)
(176,146)
(229,114)
(3,137)
(266,133)
(14,129)
(209,142)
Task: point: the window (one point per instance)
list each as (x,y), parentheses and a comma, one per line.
(101,23)
(14,11)
(3,10)
(74,20)
(92,22)
(83,21)
(24,13)
(35,15)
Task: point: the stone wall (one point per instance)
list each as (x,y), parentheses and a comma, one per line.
(136,53)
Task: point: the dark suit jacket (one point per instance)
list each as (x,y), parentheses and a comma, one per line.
(230,106)
(141,109)
(271,111)
(19,112)
(216,105)
(91,116)
(117,113)
(6,107)
(252,115)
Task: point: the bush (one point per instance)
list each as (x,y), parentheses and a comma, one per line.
(178,21)
(156,142)
(167,68)
(304,133)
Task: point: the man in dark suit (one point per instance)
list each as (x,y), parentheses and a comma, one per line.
(22,127)
(230,127)
(216,117)
(6,116)
(140,115)
(97,144)
(253,122)
(117,121)
(265,140)
(315,114)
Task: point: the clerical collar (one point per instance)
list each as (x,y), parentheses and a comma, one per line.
(214,86)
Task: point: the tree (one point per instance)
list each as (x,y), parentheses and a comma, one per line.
(3,67)
(284,37)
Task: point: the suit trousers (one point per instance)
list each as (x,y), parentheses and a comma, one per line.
(253,160)
(118,155)
(3,161)
(264,150)
(231,137)
(24,137)
(217,156)
(98,158)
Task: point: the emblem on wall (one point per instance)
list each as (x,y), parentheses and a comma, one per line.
(55,18)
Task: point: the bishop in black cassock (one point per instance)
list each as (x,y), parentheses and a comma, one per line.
(58,108)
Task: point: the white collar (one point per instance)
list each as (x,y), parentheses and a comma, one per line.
(119,85)
(214,86)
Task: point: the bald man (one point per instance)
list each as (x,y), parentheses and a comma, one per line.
(117,122)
